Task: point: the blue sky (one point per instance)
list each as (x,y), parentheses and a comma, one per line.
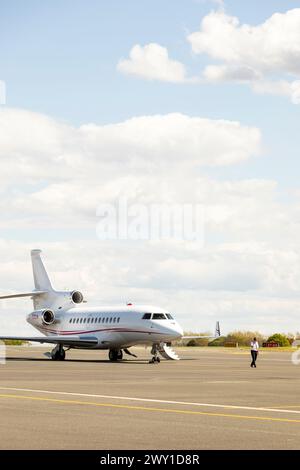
(59,60)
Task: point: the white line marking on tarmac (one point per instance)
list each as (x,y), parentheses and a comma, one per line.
(226,382)
(152,400)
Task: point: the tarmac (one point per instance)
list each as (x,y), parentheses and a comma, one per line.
(210,399)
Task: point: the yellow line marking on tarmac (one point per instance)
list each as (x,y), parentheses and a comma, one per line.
(144,408)
(280,407)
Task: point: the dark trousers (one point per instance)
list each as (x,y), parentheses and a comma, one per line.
(254,357)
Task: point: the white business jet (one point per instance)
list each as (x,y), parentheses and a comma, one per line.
(63,322)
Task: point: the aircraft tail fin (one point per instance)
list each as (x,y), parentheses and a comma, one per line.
(218,330)
(43,295)
(40,276)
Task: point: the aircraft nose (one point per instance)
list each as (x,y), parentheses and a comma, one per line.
(177,330)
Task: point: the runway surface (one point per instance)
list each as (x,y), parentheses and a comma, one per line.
(210,399)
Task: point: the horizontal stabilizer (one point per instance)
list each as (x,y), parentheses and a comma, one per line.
(23,294)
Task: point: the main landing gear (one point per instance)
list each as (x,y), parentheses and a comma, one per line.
(115,354)
(58,353)
(155,359)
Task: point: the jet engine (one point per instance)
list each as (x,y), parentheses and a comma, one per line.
(76,297)
(48,317)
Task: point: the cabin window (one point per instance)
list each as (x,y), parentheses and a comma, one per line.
(81,320)
(84,320)
(114,319)
(146,316)
(77,320)
(88,320)
(118,319)
(92,320)
(159,316)
(110,320)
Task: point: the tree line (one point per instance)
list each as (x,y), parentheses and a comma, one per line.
(244,338)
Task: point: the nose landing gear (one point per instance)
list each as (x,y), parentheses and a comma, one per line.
(154,351)
(154,360)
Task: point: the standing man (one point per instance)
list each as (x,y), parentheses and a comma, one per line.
(254,351)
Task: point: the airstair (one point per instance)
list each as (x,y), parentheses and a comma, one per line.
(167,352)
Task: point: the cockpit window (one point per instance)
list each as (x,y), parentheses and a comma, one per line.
(169,316)
(159,316)
(147,316)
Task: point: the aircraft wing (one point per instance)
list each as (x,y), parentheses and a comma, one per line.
(217,334)
(198,337)
(70,340)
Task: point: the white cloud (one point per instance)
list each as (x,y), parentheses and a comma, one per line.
(152,62)
(295,92)
(265,56)
(252,54)
(67,171)
(35,147)
(232,73)
(278,87)
(271,46)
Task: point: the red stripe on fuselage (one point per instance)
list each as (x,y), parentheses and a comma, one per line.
(119,330)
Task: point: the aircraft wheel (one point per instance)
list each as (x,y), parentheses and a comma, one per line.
(62,355)
(55,356)
(120,355)
(153,360)
(58,355)
(113,354)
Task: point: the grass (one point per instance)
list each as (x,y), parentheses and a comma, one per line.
(14,342)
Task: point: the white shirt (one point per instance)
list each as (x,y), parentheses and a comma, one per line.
(254,346)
